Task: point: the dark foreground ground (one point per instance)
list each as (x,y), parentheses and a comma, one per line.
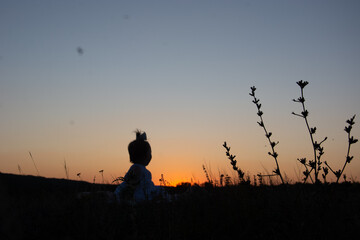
(40,208)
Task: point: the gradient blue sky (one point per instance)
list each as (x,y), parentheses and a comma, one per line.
(181,71)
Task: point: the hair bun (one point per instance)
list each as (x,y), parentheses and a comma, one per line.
(141,136)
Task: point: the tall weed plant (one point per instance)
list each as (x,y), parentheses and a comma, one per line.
(313,167)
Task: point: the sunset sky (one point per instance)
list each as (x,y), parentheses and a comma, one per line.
(77,78)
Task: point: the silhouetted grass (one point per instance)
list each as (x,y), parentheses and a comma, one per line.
(49,209)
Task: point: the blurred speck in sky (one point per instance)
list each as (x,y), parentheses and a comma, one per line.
(80,51)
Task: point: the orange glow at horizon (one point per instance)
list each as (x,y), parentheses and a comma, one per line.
(184,167)
(179,156)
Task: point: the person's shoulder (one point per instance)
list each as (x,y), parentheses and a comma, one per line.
(134,175)
(136,168)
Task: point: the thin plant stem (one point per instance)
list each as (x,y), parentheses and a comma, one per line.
(315,165)
(233,163)
(267,134)
(274,154)
(351,140)
(311,135)
(34,163)
(347,157)
(66,170)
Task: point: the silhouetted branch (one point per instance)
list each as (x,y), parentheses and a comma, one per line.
(268,135)
(317,149)
(351,140)
(233,163)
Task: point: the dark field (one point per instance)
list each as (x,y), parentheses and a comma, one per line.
(40,208)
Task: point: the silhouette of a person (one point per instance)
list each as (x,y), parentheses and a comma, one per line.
(138,185)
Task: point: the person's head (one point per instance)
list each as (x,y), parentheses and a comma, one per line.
(139,149)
